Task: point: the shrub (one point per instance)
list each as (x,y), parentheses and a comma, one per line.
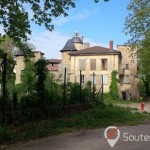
(6,135)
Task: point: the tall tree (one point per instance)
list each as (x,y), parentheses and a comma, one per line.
(14,15)
(143,61)
(41,73)
(114,93)
(137,23)
(28,77)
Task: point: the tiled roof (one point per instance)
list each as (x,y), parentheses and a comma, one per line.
(52,68)
(20,53)
(54,60)
(77,40)
(68,46)
(38,52)
(95,50)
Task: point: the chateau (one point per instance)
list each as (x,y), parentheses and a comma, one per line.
(97,61)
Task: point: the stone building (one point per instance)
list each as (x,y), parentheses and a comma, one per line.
(54,67)
(97,61)
(20,64)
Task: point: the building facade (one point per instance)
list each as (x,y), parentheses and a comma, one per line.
(54,67)
(99,61)
(20,63)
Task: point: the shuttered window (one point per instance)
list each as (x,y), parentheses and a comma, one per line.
(92,64)
(82,64)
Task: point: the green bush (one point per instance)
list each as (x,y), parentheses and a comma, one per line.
(6,135)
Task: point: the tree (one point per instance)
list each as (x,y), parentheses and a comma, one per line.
(41,73)
(14,16)
(28,77)
(7,46)
(114,94)
(143,61)
(137,23)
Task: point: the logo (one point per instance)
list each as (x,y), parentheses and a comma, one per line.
(112,135)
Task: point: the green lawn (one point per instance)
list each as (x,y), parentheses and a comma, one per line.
(111,101)
(93,118)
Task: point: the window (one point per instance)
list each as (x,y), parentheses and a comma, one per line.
(126,79)
(82,64)
(82,78)
(105,79)
(92,64)
(127,66)
(52,64)
(104,64)
(93,78)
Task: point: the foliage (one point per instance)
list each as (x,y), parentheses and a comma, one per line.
(92,118)
(16,20)
(41,73)
(114,94)
(143,60)
(137,22)
(6,135)
(6,46)
(138,27)
(28,78)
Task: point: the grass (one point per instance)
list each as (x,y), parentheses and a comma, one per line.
(111,101)
(93,118)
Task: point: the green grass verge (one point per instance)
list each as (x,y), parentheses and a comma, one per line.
(93,118)
(111,101)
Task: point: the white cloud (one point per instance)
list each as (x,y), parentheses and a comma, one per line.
(49,43)
(61,20)
(72,16)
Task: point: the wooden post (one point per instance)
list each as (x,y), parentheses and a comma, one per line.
(64,94)
(93,85)
(102,88)
(80,87)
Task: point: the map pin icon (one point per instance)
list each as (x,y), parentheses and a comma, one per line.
(112,135)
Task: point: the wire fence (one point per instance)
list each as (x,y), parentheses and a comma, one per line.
(80,99)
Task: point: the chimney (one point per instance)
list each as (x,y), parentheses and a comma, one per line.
(111,45)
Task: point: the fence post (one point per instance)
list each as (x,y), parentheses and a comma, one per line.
(93,85)
(80,87)
(4,85)
(64,94)
(102,88)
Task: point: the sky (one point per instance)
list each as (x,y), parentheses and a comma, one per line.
(97,22)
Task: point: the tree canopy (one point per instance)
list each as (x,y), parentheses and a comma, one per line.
(14,15)
(137,23)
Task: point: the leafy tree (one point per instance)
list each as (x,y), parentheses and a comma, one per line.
(14,15)
(28,78)
(7,46)
(41,73)
(114,94)
(137,23)
(143,60)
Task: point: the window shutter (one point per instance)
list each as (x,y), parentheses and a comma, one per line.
(92,64)
(82,64)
